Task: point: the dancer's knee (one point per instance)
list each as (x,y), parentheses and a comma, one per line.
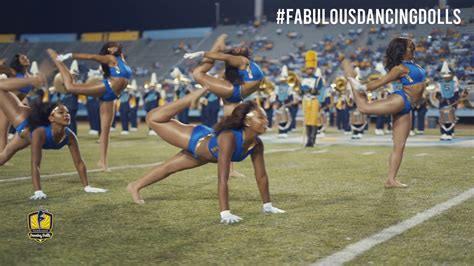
(156,116)
(399,146)
(198,74)
(363,108)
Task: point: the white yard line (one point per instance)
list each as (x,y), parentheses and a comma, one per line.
(282,150)
(118,168)
(358,248)
(319,152)
(368,153)
(75,173)
(421,154)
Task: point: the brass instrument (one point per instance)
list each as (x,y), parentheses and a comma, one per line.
(341,84)
(294,81)
(267,87)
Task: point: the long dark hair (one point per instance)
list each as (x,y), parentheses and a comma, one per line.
(237,119)
(40,113)
(232,73)
(395,51)
(105,51)
(16,65)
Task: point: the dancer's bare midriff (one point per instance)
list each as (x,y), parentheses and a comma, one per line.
(415,91)
(118,84)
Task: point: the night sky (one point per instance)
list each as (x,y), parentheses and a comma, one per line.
(63,16)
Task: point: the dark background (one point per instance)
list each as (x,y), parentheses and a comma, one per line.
(55,16)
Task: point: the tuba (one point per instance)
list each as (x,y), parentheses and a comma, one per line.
(294,81)
(341,84)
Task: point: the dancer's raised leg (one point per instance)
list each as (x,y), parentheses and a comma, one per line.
(172,131)
(220,87)
(95,89)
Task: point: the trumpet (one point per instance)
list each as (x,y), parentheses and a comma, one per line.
(341,84)
(294,81)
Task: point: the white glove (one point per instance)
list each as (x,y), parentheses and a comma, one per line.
(356,84)
(268,208)
(3,76)
(64,57)
(90,189)
(38,195)
(193,55)
(229,218)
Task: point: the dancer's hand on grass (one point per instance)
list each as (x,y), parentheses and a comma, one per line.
(268,208)
(39,194)
(229,218)
(90,189)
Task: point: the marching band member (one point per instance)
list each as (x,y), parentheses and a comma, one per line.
(449,96)
(210,106)
(151,99)
(311,86)
(134,103)
(284,100)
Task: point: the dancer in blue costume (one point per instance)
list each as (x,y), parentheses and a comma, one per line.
(399,62)
(116,78)
(45,127)
(231,140)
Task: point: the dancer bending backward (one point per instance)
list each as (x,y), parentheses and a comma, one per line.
(233,139)
(45,128)
(242,76)
(116,77)
(399,62)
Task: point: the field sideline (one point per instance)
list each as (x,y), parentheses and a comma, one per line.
(333,194)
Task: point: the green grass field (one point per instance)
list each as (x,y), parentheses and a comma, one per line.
(332,199)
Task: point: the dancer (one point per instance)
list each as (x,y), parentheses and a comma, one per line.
(116,77)
(45,128)
(399,63)
(233,139)
(242,76)
(18,68)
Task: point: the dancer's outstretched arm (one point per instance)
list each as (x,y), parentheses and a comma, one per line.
(236,61)
(80,164)
(262,178)
(395,74)
(103,59)
(38,139)
(226,142)
(260,172)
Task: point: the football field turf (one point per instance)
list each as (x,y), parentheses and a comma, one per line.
(333,195)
